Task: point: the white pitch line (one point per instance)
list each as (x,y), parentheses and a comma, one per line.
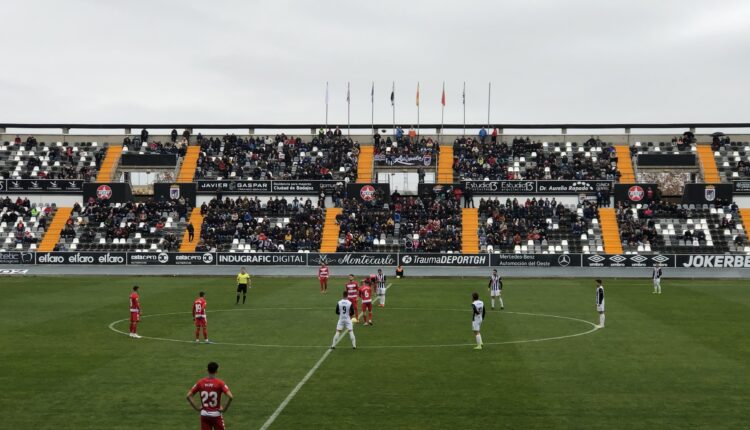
(296,389)
(509,342)
(304,380)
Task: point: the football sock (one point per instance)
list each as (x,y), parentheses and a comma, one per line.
(238,300)
(493,303)
(197,334)
(353,339)
(479,339)
(501,302)
(601,320)
(335,338)
(205,333)
(382,299)
(243,299)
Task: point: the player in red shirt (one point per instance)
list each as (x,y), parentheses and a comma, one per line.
(352,292)
(199,316)
(365,292)
(210,390)
(135,313)
(323,278)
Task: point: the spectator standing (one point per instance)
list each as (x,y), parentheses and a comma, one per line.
(412,134)
(482,134)
(468,198)
(191,232)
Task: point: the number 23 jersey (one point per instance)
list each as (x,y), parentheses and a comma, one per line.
(210,391)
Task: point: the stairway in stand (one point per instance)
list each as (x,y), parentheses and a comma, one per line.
(364,165)
(330,240)
(625,164)
(745,215)
(445,165)
(189,163)
(708,164)
(470,225)
(610,231)
(109,164)
(196,219)
(52,236)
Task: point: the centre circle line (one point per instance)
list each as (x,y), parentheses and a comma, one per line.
(594,328)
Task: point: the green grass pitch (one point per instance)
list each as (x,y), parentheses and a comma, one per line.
(679,360)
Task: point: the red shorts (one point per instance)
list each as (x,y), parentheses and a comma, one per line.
(367,306)
(212,423)
(323,281)
(200,322)
(135,316)
(354,301)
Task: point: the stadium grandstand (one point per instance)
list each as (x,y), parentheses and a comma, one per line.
(385,192)
(314,189)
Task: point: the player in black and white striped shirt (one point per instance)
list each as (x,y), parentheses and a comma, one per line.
(600,302)
(656,277)
(477,316)
(496,289)
(380,289)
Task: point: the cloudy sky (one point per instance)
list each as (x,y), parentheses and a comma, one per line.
(268,61)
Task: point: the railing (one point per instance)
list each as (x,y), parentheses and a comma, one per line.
(66,127)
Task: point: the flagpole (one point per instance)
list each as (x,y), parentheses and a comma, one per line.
(464,98)
(326,105)
(348,110)
(393,105)
(489,102)
(372,107)
(442,115)
(417,108)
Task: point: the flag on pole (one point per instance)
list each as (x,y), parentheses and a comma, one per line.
(348,93)
(326,92)
(463,95)
(372,93)
(393,95)
(417,93)
(442,98)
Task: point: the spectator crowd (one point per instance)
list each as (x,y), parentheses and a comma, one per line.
(477,159)
(280,157)
(278,225)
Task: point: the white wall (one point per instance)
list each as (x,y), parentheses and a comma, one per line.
(566,200)
(200,199)
(59,199)
(403,182)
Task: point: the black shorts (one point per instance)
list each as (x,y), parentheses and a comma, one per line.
(242,288)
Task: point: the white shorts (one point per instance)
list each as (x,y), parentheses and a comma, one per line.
(657,282)
(381,291)
(495,293)
(600,308)
(344,325)
(476,325)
